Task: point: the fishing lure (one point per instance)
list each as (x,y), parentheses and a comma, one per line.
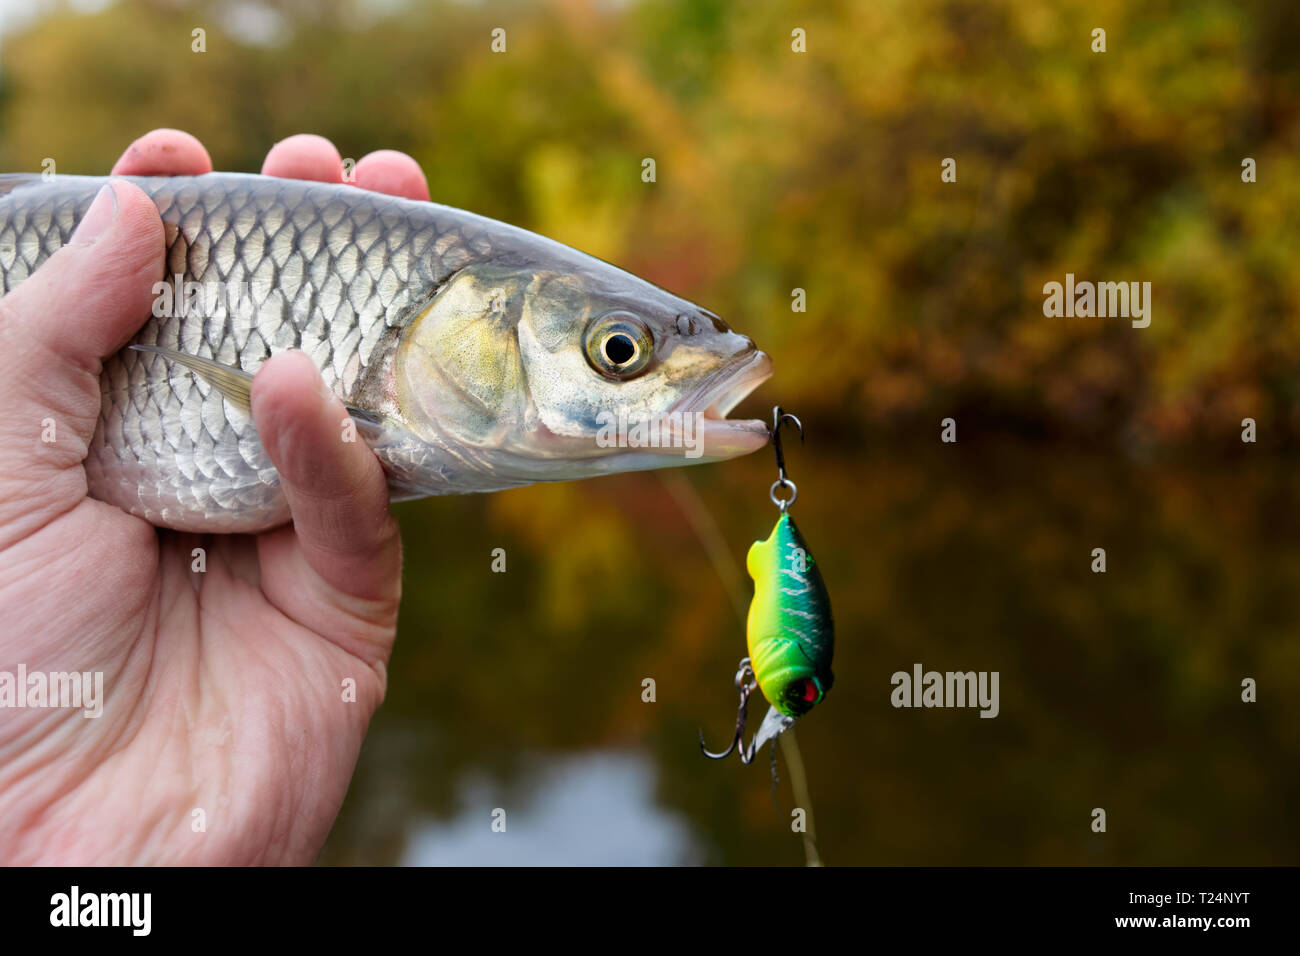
(790,633)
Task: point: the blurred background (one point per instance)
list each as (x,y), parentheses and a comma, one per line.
(821,171)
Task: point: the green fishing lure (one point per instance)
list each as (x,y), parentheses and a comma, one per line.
(790,632)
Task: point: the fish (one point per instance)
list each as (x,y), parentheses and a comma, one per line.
(471,355)
(790,630)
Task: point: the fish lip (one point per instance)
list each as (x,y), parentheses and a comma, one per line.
(729,386)
(720,436)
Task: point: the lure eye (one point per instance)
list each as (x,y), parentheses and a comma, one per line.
(619,345)
(800,695)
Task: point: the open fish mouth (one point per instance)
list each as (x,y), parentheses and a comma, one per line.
(719,437)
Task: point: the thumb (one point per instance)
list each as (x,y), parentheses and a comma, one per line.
(337,492)
(79,307)
(338,570)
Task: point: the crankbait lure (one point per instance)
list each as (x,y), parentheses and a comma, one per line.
(790,633)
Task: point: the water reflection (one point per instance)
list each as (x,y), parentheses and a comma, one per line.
(1118,690)
(591,810)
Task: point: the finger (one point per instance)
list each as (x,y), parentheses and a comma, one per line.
(304,156)
(337,491)
(164,152)
(393,173)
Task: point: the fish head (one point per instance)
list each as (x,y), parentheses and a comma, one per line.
(559,373)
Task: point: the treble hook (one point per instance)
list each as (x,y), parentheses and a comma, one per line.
(779,418)
(746,682)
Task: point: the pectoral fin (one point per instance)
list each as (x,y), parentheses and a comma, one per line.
(235,384)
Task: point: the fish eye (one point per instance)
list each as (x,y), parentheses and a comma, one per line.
(619,345)
(619,348)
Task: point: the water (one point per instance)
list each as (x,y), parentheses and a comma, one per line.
(524,690)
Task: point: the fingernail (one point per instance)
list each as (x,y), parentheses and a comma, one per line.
(98,217)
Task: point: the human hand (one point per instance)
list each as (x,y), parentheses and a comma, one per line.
(223,691)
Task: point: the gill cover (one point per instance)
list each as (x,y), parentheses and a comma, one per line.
(460,362)
(790,632)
